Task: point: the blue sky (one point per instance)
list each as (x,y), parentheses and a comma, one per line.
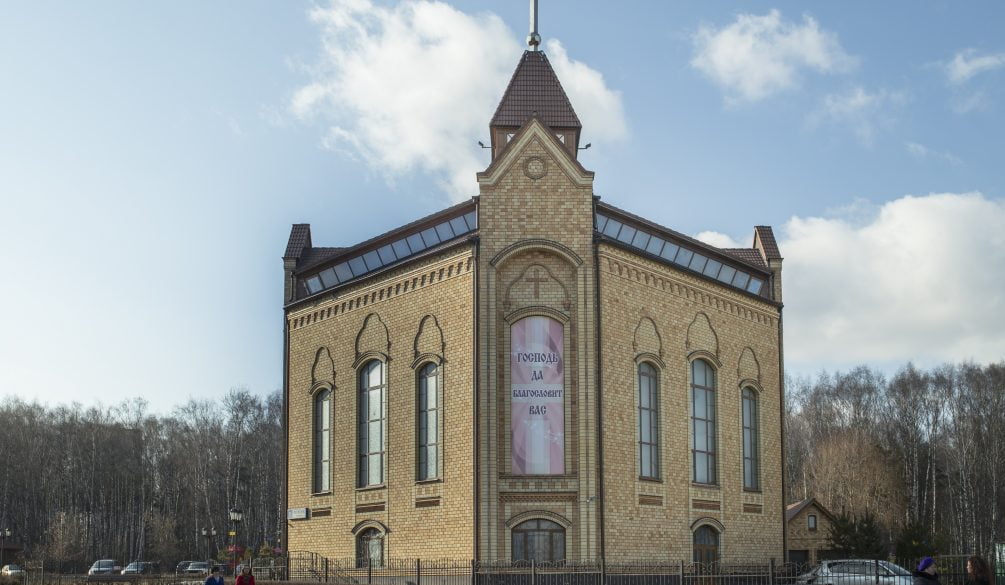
(153,157)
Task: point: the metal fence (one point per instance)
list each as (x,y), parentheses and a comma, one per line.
(305,567)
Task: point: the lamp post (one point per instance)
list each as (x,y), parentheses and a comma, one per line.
(236,515)
(4,535)
(210,536)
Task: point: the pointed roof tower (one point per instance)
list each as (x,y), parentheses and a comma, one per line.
(534,90)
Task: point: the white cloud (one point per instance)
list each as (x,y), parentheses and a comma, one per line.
(920,280)
(719,240)
(758,56)
(411,87)
(921,152)
(968,63)
(860,110)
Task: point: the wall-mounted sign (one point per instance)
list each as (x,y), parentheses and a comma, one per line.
(296,514)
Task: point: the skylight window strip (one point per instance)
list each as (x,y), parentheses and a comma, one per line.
(726,274)
(641,240)
(372,260)
(601,222)
(357,266)
(670,251)
(401,249)
(458,225)
(415,243)
(444,231)
(471,219)
(655,246)
(612,228)
(429,237)
(627,234)
(314,285)
(712,268)
(387,254)
(697,262)
(683,256)
(328,278)
(343,272)
(755,286)
(741,279)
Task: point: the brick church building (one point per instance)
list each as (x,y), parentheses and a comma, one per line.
(534,373)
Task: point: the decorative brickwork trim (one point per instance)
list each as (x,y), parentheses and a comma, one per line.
(645,500)
(664,278)
(537,244)
(537,497)
(752,508)
(427,502)
(363,508)
(705,505)
(531,514)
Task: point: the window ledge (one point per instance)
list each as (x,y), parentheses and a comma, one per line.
(319,494)
(371,488)
(650,479)
(705,486)
(429,481)
(747,490)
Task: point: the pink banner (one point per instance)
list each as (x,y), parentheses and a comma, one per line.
(538,388)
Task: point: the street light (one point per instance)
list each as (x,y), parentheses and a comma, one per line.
(236,515)
(7,533)
(210,536)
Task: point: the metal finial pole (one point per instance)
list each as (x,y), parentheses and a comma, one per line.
(533,39)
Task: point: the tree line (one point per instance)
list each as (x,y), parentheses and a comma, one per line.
(79,484)
(921,455)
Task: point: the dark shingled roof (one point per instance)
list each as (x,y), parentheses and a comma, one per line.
(793,509)
(767,238)
(534,87)
(312,256)
(748,255)
(300,238)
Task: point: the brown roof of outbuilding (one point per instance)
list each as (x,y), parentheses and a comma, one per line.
(792,510)
(534,87)
(748,255)
(767,238)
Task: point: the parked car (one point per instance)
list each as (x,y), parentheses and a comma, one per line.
(856,572)
(104,567)
(182,566)
(197,568)
(14,571)
(140,568)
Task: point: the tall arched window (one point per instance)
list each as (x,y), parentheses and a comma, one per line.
(538,540)
(322,441)
(372,417)
(751,471)
(370,548)
(706,545)
(649,422)
(427,426)
(703,435)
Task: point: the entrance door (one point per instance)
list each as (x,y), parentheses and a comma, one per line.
(706,553)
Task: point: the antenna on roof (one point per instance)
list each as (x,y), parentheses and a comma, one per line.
(533,39)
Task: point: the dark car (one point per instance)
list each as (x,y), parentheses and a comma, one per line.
(180,568)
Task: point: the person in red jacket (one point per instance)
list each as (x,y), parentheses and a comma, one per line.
(245,578)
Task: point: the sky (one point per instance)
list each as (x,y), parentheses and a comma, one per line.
(154,155)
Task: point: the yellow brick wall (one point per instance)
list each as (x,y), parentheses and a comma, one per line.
(738,335)
(800,537)
(391,307)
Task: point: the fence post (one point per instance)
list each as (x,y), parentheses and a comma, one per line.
(418,572)
(533,572)
(369,570)
(771,571)
(474,572)
(876,566)
(603,571)
(680,571)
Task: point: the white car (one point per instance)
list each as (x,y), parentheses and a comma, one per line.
(856,572)
(104,567)
(14,571)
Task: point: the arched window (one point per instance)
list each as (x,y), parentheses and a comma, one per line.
(372,417)
(427,426)
(703,448)
(751,468)
(538,540)
(370,548)
(322,441)
(706,545)
(649,422)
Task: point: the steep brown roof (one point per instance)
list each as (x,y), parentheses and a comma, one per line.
(749,255)
(793,509)
(300,238)
(767,238)
(534,87)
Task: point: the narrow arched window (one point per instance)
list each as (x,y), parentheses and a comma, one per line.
(322,441)
(649,422)
(538,540)
(703,436)
(372,417)
(706,546)
(370,548)
(428,424)
(751,468)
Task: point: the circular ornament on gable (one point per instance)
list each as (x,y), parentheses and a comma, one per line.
(535,167)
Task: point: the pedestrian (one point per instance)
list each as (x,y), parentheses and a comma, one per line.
(245,578)
(214,577)
(926,573)
(977,571)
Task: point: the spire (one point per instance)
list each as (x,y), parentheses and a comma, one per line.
(533,39)
(534,90)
